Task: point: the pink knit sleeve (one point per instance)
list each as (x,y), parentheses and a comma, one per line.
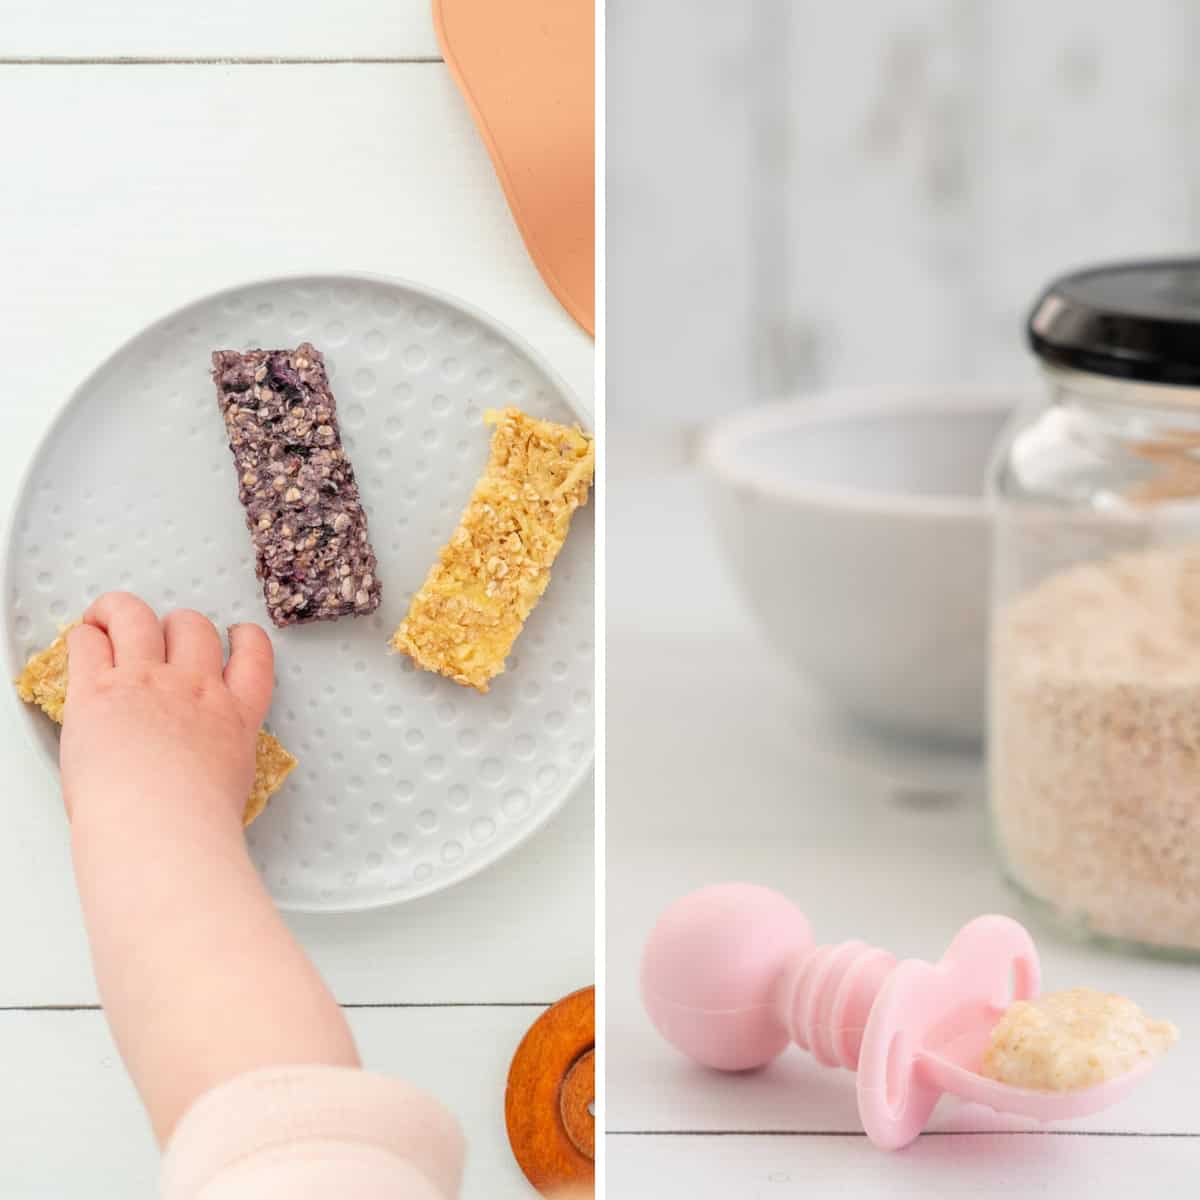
(308,1132)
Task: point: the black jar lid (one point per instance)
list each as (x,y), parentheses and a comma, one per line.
(1137,320)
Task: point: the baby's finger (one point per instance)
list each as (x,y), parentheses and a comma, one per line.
(131,626)
(193,642)
(88,653)
(250,672)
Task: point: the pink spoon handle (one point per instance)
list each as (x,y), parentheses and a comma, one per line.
(828,997)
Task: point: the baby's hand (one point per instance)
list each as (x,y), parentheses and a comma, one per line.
(155,716)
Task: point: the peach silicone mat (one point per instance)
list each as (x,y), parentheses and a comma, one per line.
(527,70)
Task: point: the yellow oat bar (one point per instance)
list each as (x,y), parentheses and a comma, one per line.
(490,575)
(44,683)
(272,765)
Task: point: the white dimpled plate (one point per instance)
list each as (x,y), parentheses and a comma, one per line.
(407,782)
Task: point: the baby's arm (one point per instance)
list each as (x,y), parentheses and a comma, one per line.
(200,978)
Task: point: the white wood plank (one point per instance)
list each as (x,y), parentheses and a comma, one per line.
(105,235)
(219,28)
(141,188)
(747,741)
(74,1128)
(995,1167)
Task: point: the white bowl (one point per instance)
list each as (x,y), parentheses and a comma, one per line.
(856,524)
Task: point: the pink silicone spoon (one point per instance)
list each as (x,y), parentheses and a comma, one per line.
(731,975)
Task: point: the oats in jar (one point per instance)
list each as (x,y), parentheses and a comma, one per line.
(1095,744)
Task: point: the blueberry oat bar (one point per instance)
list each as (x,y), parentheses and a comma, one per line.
(296,484)
(490,575)
(44,683)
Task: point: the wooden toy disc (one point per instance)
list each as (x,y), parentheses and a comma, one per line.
(551,1087)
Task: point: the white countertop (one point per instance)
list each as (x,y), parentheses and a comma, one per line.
(721,766)
(134,186)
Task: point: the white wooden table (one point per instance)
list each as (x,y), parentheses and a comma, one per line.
(721,767)
(146,157)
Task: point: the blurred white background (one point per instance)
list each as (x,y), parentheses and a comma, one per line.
(803,194)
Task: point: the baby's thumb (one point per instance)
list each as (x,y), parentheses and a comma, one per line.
(250,671)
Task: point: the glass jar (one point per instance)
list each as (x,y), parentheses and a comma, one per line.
(1094,706)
